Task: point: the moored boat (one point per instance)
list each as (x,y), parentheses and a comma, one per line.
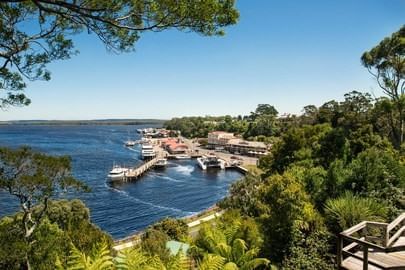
(130,143)
(161,163)
(117,173)
(147,151)
(182,156)
(210,161)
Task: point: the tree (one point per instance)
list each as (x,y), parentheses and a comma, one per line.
(99,259)
(73,217)
(386,62)
(176,229)
(49,242)
(264,109)
(25,51)
(219,246)
(34,178)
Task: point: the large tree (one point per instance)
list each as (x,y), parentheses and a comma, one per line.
(386,62)
(34,33)
(33,178)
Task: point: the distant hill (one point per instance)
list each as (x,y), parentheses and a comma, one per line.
(86,122)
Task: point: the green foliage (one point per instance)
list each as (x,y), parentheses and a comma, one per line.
(49,242)
(349,210)
(309,251)
(33,177)
(175,229)
(263,122)
(136,259)
(242,196)
(99,259)
(288,207)
(119,24)
(222,245)
(386,63)
(66,223)
(73,217)
(154,243)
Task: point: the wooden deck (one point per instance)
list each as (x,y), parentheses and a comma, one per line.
(137,172)
(373,246)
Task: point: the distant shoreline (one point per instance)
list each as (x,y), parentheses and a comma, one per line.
(85,122)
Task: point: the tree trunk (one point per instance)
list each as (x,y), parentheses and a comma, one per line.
(27,262)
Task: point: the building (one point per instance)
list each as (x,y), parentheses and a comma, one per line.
(175,146)
(219,139)
(239,146)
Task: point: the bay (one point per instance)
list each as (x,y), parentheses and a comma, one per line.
(180,190)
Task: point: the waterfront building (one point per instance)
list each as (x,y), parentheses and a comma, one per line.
(219,139)
(239,146)
(175,146)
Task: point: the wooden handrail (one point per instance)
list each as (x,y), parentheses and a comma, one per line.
(363,243)
(387,241)
(355,228)
(396,221)
(395,236)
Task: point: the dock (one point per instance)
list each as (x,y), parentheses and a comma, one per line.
(135,173)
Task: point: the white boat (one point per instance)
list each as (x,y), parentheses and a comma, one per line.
(147,151)
(182,157)
(117,173)
(210,161)
(161,162)
(130,143)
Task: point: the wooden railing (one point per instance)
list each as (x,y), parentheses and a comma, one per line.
(369,235)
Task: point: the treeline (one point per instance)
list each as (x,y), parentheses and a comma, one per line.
(258,125)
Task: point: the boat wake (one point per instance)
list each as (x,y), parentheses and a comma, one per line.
(172,209)
(168,178)
(133,150)
(186,170)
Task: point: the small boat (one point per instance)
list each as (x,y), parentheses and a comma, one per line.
(182,157)
(130,143)
(160,163)
(210,161)
(117,173)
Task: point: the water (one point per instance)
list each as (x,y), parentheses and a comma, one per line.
(179,190)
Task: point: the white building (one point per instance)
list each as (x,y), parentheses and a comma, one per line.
(218,139)
(239,146)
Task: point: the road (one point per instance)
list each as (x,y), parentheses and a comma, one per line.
(225,156)
(193,228)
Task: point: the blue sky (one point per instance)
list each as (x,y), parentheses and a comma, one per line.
(288,53)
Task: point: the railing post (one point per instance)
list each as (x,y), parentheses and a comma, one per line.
(339,250)
(386,236)
(365,257)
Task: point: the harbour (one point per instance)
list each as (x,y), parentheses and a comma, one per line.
(122,208)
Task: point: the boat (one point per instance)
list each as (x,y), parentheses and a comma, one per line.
(147,151)
(160,163)
(210,161)
(130,143)
(182,157)
(117,173)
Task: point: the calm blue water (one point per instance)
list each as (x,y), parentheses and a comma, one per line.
(179,190)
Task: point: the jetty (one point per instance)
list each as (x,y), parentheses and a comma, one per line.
(373,245)
(134,173)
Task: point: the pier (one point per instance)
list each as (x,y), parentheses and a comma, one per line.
(134,173)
